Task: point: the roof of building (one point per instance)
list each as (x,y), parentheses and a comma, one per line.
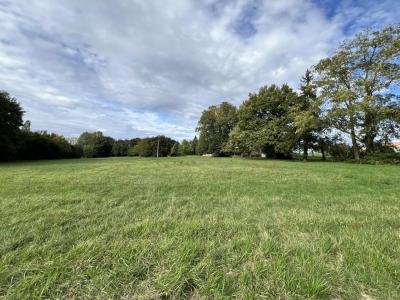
(397,144)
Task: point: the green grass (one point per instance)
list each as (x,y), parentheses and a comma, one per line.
(199,228)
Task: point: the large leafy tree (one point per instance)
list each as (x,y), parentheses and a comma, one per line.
(214,127)
(265,123)
(358,83)
(10,122)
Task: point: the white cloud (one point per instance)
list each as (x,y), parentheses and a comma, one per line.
(150,67)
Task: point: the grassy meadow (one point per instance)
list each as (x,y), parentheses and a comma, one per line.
(199,228)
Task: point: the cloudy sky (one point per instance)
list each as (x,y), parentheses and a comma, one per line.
(145,67)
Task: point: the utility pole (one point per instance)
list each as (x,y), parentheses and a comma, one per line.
(158,145)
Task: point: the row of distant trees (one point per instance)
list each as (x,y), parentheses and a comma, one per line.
(348,106)
(19,142)
(95,144)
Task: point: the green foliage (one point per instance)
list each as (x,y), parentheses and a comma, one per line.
(134,150)
(148,147)
(121,147)
(145,147)
(10,122)
(307,117)
(356,82)
(265,123)
(340,151)
(189,147)
(194,143)
(95,144)
(42,145)
(186,148)
(382,158)
(214,127)
(196,228)
(18,142)
(175,150)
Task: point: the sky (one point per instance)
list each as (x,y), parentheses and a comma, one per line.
(135,68)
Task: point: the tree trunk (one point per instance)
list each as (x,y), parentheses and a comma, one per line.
(305,151)
(370,120)
(369,143)
(370,133)
(356,152)
(323,153)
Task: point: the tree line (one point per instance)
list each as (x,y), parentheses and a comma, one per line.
(95,144)
(348,106)
(18,142)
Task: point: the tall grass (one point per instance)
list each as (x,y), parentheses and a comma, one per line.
(199,228)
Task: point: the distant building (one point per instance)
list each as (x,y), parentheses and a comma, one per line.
(396,145)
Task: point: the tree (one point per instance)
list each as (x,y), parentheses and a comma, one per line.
(175,150)
(307,114)
(42,145)
(357,84)
(165,145)
(143,148)
(121,147)
(95,144)
(194,143)
(148,147)
(265,123)
(10,122)
(242,141)
(186,148)
(214,127)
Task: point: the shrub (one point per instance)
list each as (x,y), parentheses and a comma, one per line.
(382,158)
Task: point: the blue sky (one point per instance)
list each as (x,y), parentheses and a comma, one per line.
(142,68)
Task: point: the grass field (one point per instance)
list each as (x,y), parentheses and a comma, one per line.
(198,228)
